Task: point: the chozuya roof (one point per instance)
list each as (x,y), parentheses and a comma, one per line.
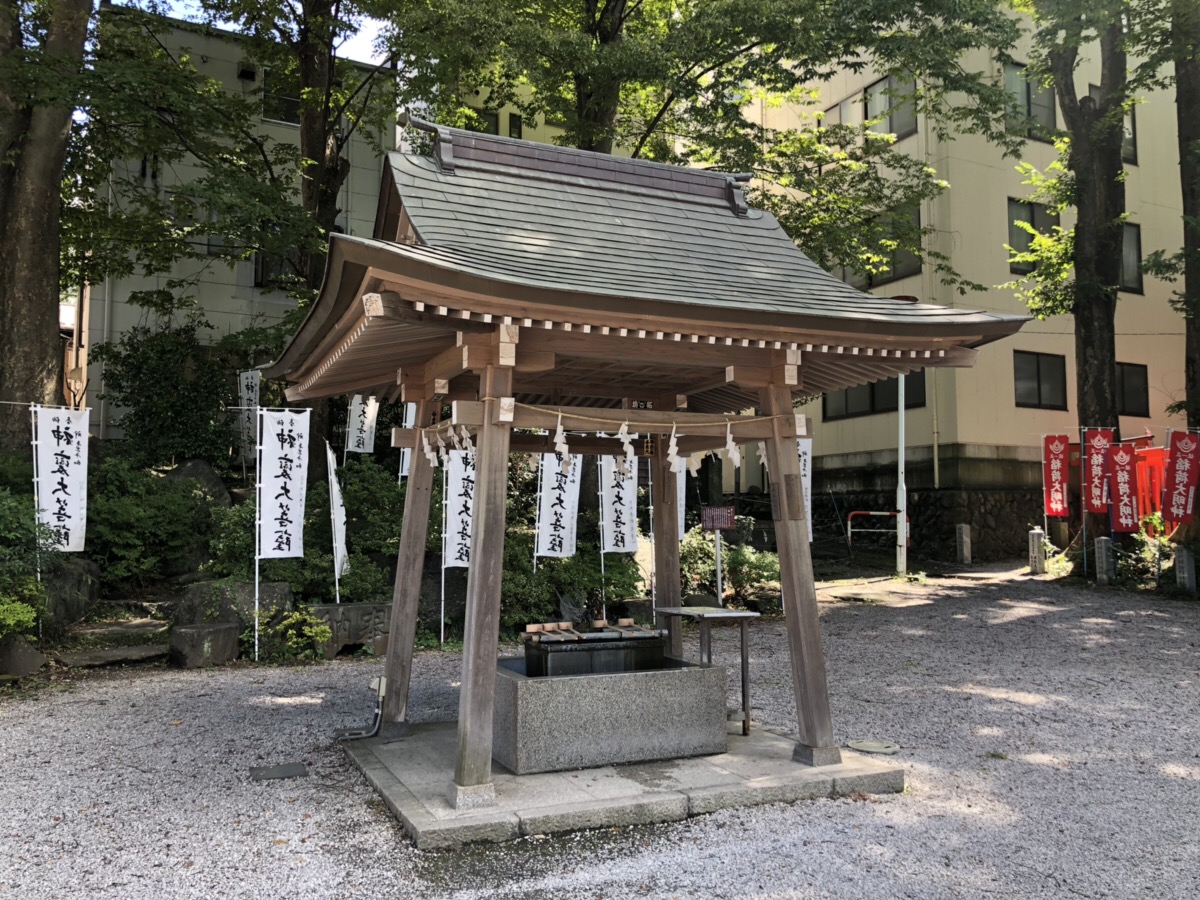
(489,229)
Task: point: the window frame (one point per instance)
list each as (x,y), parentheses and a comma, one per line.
(911,399)
(1039,357)
(1051,221)
(1139,412)
(1031,128)
(1129,150)
(1136,284)
(516,126)
(284,103)
(891,92)
(489,116)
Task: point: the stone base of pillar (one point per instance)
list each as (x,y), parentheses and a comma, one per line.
(817,756)
(473,796)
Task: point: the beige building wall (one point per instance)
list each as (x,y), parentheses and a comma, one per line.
(226,294)
(974,410)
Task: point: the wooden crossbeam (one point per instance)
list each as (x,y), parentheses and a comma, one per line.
(648,421)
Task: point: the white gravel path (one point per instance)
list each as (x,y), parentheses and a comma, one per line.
(1051,740)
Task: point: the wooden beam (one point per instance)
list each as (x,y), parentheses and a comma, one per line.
(472,785)
(410,568)
(388,305)
(816,746)
(614,348)
(643,421)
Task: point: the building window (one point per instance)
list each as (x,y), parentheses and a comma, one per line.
(486,122)
(1128,130)
(892,101)
(1133,390)
(1034,116)
(868,399)
(848,112)
(1131,259)
(275,271)
(516,127)
(281,98)
(1041,380)
(901,262)
(1036,214)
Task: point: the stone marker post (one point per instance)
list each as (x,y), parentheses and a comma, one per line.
(1106,561)
(962,537)
(1037,552)
(1185,569)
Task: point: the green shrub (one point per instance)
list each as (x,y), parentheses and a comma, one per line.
(374,506)
(172,392)
(297,636)
(310,576)
(743,567)
(143,528)
(21,594)
(16,471)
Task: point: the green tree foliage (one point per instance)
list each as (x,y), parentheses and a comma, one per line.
(21,542)
(143,528)
(172,391)
(674,80)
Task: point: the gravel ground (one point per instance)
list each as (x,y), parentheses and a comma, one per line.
(1050,734)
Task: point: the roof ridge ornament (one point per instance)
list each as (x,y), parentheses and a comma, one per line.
(736,196)
(443,140)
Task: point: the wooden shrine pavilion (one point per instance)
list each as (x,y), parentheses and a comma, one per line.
(523,285)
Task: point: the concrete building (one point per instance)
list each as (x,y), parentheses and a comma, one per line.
(974,432)
(231,297)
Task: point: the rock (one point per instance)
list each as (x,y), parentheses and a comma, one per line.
(18,658)
(200,471)
(699,600)
(200,646)
(355,623)
(72,590)
(87,659)
(228,601)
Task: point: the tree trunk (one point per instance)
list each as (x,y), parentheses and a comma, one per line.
(32,155)
(1185,33)
(598,92)
(1095,162)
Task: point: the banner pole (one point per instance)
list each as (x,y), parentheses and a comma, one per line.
(337,584)
(653,585)
(537,516)
(257,520)
(442,617)
(37,504)
(1045,515)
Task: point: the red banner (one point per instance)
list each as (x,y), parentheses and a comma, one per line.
(1122,474)
(1182,475)
(1054,473)
(1096,442)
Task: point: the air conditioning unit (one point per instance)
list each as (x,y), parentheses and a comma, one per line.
(247,71)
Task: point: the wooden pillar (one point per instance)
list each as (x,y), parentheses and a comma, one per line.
(406,595)
(665,510)
(472,785)
(816,747)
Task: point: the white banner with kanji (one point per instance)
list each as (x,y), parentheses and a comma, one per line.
(410,419)
(618,507)
(249,389)
(360,424)
(558,505)
(337,512)
(804,446)
(459,502)
(61,449)
(282,465)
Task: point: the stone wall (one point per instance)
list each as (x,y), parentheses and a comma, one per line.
(1000,519)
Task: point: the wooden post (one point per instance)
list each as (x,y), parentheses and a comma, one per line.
(665,510)
(816,746)
(406,595)
(472,787)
